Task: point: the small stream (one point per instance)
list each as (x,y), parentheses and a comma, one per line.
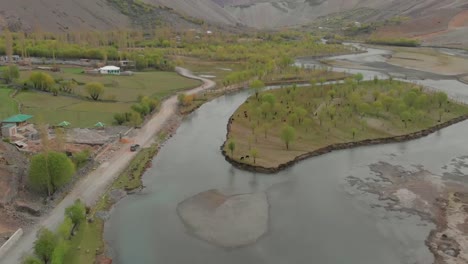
(316,216)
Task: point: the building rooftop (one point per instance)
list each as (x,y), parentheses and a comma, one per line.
(110,68)
(18,118)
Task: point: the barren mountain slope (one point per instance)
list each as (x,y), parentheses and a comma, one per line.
(204,9)
(277,13)
(60,15)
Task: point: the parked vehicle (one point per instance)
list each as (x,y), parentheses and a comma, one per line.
(134,147)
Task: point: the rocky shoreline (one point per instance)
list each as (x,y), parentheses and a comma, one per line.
(337,146)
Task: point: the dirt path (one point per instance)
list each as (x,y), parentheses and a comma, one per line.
(91,187)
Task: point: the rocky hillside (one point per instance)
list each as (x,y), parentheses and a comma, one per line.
(435,21)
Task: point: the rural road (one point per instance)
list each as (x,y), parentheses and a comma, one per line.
(90,188)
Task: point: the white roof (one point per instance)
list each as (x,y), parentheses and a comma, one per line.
(110,68)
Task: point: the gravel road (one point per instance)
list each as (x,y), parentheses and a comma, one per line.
(91,187)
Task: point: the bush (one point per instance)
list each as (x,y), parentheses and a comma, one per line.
(403,42)
(81,158)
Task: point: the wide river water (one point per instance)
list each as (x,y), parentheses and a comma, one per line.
(316,216)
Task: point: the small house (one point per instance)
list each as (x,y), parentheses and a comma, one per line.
(8,130)
(111,70)
(126,64)
(18,120)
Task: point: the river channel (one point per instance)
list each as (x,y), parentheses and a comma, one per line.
(316,215)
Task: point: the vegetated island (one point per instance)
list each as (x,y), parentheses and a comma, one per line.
(277,128)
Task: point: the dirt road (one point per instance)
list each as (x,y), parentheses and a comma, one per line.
(90,188)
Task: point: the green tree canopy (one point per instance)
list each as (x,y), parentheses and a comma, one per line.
(10,73)
(45,245)
(288,135)
(95,90)
(42,81)
(257,85)
(441,98)
(50,171)
(76,212)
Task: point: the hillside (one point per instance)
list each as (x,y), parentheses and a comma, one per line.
(440,22)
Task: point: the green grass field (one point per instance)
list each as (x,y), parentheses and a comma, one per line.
(80,113)
(8,106)
(127,88)
(325,115)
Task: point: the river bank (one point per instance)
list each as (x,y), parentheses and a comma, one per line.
(308,202)
(334,147)
(90,188)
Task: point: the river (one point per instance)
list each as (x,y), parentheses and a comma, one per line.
(316,216)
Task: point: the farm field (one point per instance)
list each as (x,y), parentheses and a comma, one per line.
(127,88)
(8,106)
(120,93)
(80,113)
(320,116)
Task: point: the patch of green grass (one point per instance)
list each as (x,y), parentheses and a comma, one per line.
(86,244)
(128,88)
(72,70)
(80,113)
(8,106)
(130,179)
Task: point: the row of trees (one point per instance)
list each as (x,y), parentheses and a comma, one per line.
(140,110)
(45,82)
(50,247)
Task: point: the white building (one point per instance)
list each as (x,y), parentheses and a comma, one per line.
(114,70)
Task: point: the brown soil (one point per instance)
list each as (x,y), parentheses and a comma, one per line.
(460,20)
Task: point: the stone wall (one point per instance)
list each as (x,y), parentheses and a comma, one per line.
(11,242)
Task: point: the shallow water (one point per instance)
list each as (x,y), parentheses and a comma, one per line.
(315,215)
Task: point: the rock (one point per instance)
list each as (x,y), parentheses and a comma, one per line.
(102,215)
(27,208)
(226,221)
(451,252)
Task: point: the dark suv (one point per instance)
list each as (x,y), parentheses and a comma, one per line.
(134,147)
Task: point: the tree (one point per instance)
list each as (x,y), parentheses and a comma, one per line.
(76,212)
(387,102)
(45,245)
(32,260)
(119,118)
(410,98)
(67,86)
(254,154)
(95,90)
(441,98)
(8,45)
(59,252)
(135,119)
(65,229)
(354,132)
(405,117)
(301,113)
(270,99)
(10,73)
(232,146)
(358,77)
(257,85)
(50,171)
(288,135)
(42,81)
